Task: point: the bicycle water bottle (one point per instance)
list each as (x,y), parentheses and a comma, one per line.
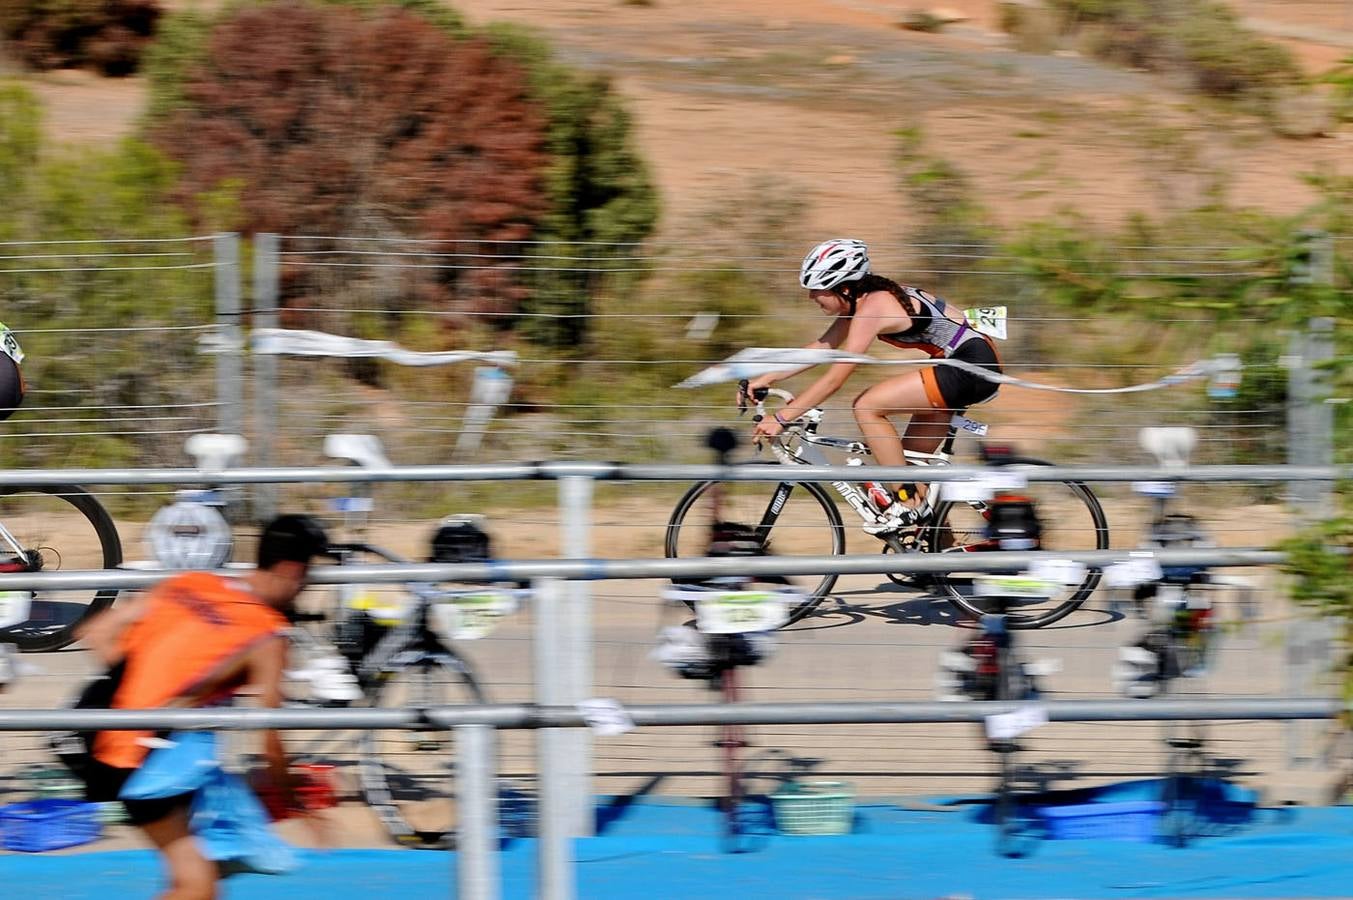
(880,498)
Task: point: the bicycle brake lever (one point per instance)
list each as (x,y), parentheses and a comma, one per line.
(742,397)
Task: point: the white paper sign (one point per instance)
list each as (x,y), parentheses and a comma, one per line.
(606,717)
(740,612)
(14,606)
(1140,569)
(1004,726)
(1154,488)
(972,491)
(1058,571)
(473,614)
(1013,586)
(1006,480)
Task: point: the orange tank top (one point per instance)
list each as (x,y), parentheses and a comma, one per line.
(194,624)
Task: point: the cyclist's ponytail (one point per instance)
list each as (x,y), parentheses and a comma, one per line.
(852,291)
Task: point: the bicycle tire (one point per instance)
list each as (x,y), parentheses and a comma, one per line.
(36,515)
(407,776)
(752,499)
(957,521)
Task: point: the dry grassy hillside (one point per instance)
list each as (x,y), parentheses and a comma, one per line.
(736,98)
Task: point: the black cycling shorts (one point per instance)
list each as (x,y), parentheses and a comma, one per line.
(949,387)
(104,782)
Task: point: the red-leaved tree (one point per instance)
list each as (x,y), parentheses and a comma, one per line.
(334,121)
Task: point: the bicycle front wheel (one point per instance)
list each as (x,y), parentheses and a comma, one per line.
(1072,520)
(52,528)
(407,776)
(791,519)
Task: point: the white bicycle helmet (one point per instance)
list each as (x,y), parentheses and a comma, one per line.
(832,262)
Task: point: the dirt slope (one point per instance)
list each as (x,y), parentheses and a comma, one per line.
(800,98)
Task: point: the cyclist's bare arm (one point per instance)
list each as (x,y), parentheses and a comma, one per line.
(830,340)
(860,332)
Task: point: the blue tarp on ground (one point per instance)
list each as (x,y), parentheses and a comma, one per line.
(652,850)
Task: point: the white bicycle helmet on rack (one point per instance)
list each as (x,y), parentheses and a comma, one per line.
(832,262)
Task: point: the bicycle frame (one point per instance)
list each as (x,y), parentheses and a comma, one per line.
(810,451)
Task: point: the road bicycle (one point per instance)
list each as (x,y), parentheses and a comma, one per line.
(989,666)
(734,616)
(1178,602)
(395,646)
(51,528)
(803,519)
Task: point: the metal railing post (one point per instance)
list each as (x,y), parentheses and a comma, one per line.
(477,855)
(229,362)
(267,293)
(575,503)
(554,857)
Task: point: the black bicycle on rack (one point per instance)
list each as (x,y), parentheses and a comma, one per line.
(988,665)
(1177,603)
(397,646)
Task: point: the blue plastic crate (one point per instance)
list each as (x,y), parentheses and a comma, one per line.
(48,825)
(1134,820)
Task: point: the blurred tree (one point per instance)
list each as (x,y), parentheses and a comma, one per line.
(53,34)
(476,139)
(332,133)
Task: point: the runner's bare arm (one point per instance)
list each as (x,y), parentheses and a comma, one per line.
(102,634)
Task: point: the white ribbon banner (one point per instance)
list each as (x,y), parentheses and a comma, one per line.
(755,361)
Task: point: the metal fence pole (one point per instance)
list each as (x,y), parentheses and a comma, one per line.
(575,503)
(476,857)
(1310,439)
(267,292)
(554,871)
(229,364)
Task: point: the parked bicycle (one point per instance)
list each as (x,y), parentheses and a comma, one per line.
(988,665)
(396,646)
(1178,604)
(734,617)
(803,519)
(53,528)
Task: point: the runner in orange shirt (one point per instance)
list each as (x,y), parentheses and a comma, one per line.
(194,640)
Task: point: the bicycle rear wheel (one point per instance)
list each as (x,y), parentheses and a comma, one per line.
(791,520)
(408,776)
(45,529)
(1072,520)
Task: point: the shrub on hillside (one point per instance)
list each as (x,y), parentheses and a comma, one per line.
(1203,40)
(109,35)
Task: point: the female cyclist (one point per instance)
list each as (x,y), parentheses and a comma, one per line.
(868,306)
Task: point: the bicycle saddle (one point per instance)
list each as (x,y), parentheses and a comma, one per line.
(214,452)
(363,449)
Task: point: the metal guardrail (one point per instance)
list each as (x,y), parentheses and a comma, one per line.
(692,567)
(477,867)
(528,716)
(556,471)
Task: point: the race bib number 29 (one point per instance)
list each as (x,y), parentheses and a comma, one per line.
(988,320)
(9,344)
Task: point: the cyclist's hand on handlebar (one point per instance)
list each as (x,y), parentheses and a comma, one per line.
(768,427)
